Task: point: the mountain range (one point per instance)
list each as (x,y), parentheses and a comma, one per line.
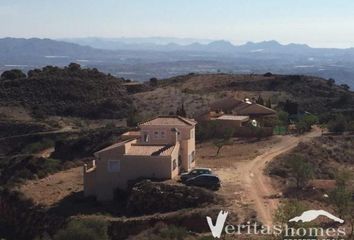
(143,58)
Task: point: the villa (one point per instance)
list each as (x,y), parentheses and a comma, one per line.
(237,113)
(162,149)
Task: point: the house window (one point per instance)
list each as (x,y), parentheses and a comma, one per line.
(179,161)
(156,134)
(174,164)
(113,166)
(162,134)
(146,137)
(191,157)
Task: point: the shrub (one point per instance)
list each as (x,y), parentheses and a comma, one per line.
(83,229)
(305,123)
(283,118)
(13,74)
(162,231)
(301,170)
(337,125)
(38,146)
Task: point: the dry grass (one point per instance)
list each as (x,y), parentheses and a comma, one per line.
(231,155)
(54,188)
(15,113)
(197,93)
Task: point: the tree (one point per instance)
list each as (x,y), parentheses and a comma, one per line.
(153,82)
(13,74)
(305,123)
(74,67)
(331,82)
(260,100)
(225,140)
(283,118)
(301,170)
(269,103)
(33,73)
(345,87)
(133,118)
(291,107)
(287,210)
(181,111)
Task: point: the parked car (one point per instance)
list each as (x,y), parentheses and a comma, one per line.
(205,180)
(195,172)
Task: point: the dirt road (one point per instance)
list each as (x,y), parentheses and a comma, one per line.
(256,187)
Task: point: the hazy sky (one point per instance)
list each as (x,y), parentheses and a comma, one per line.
(320,23)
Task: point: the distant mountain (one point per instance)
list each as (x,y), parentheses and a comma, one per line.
(43,47)
(176,44)
(142,59)
(131,43)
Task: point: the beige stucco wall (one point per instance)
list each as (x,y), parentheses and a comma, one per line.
(131,167)
(102,183)
(89,181)
(229,123)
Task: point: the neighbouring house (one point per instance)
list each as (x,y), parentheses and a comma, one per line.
(237,112)
(133,86)
(162,149)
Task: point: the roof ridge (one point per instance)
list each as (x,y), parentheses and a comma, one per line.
(161,150)
(184,120)
(265,107)
(115,145)
(187,121)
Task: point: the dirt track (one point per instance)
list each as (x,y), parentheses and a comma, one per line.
(255,188)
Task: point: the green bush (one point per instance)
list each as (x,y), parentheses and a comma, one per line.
(173,232)
(161,231)
(38,146)
(68,91)
(301,170)
(12,74)
(283,118)
(337,125)
(88,229)
(305,123)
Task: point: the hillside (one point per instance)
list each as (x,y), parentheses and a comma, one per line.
(327,154)
(69,91)
(196,91)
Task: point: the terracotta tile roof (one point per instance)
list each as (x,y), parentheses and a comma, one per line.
(170,120)
(225,104)
(255,109)
(240,107)
(150,150)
